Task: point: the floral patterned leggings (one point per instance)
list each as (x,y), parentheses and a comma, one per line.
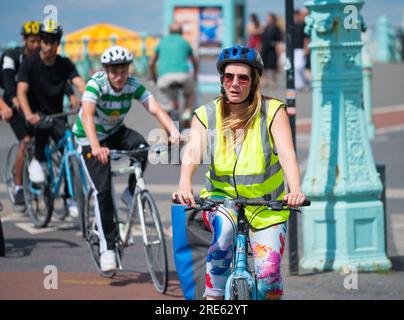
(267,245)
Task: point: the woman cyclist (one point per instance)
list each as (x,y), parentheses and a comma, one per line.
(250,151)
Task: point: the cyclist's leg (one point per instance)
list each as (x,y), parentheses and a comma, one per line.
(220,251)
(129,139)
(23,134)
(57,133)
(267,246)
(100,179)
(169,95)
(37,168)
(189,95)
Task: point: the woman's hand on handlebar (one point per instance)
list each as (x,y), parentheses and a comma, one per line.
(184,194)
(294,199)
(101,154)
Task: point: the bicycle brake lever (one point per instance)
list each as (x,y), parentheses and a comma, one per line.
(276,206)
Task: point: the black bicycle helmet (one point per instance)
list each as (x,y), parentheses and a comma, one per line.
(51,28)
(30,28)
(240,54)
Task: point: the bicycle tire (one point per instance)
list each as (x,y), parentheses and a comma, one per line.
(40,213)
(9,176)
(79,196)
(59,213)
(91,236)
(240,290)
(155,249)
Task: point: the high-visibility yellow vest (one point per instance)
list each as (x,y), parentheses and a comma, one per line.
(255,173)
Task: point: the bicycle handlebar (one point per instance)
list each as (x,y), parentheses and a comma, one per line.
(273,204)
(46,120)
(115,154)
(48,117)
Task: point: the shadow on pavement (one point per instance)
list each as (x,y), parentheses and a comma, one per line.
(397,263)
(129,278)
(16,248)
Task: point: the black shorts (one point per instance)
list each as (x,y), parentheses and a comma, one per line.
(20,127)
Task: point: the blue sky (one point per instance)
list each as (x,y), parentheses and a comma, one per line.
(141,15)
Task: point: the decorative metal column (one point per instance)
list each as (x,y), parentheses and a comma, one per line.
(385,40)
(344,226)
(367,73)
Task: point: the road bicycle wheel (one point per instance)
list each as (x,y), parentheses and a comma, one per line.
(78,188)
(38,198)
(91,233)
(9,175)
(154,244)
(240,290)
(60,208)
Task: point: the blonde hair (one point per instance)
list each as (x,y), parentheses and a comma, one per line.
(243,122)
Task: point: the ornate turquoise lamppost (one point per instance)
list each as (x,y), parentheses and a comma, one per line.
(344,226)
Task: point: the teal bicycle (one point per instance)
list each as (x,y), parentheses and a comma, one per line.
(242,282)
(67,167)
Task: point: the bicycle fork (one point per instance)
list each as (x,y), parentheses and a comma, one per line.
(240,261)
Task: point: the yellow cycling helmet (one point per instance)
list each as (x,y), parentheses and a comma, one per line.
(30,28)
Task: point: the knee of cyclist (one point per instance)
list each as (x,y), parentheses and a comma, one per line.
(270,272)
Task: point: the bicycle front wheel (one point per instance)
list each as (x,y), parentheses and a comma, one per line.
(91,233)
(153,241)
(240,290)
(78,188)
(38,199)
(9,174)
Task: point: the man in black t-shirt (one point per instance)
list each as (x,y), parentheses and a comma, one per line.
(42,81)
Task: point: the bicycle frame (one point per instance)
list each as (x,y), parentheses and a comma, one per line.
(69,151)
(135,168)
(241,270)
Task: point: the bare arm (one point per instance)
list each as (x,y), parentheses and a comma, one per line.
(195,65)
(5,111)
(156,110)
(100,153)
(79,83)
(152,67)
(192,156)
(282,136)
(22,91)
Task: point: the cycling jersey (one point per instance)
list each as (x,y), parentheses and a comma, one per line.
(111,106)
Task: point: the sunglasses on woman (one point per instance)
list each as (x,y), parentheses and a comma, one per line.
(243,79)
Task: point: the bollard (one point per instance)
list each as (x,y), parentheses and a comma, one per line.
(385,40)
(367,74)
(381,169)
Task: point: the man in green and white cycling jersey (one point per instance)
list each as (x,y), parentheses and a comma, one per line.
(99,127)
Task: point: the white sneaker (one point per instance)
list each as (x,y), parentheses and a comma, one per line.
(127,198)
(72,207)
(108,261)
(35,171)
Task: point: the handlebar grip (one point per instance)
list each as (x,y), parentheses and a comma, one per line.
(306,203)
